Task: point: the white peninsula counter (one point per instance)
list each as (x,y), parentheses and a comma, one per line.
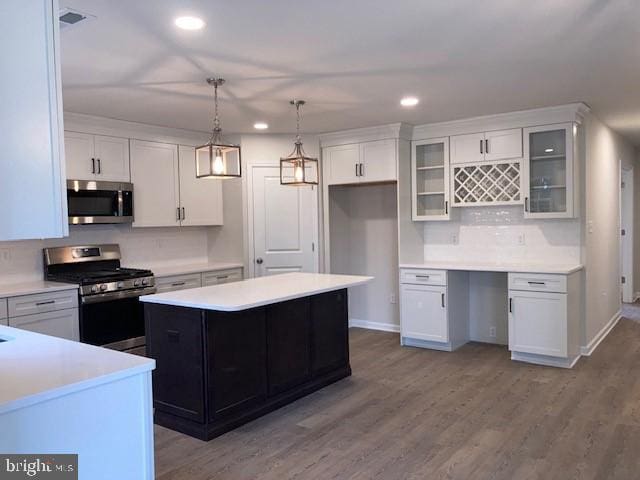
(60,396)
(230,353)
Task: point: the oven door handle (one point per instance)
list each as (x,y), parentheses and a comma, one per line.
(118,295)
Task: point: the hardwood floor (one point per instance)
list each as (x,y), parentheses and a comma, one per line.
(408,413)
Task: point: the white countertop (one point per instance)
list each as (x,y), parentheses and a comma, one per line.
(497,267)
(256,292)
(30,288)
(36,367)
(170,270)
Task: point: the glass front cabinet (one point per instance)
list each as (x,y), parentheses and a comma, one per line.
(549,171)
(430,179)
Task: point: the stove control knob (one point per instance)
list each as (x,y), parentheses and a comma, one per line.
(145,282)
(120,285)
(136,283)
(94,289)
(103,287)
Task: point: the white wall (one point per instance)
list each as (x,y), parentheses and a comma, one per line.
(143,247)
(364,241)
(501,234)
(604,151)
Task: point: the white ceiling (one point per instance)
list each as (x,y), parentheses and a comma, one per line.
(352,60)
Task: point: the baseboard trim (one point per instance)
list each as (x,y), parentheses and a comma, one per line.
(636,297)
(545,360)
(602,334)
(383,327)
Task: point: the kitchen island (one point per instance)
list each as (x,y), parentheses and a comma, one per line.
(227,354)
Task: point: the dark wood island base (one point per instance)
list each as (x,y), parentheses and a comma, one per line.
(218,370)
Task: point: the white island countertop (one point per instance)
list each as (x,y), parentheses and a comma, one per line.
(563,269)
(36,367)
(256,292)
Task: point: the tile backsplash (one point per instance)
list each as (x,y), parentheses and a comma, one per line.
(501,234)
(21,261)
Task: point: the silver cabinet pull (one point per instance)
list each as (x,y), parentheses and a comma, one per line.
(486,145)
(93,165)
(442,300)
(184,216)
(481,147)
(178,284)
(422,276)
(178,214)
(222,277)
(536,283)
(99,167)
(526,204)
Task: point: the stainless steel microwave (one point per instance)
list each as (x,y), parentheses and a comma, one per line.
(90,202)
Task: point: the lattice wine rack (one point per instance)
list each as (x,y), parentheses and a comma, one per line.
(487,184)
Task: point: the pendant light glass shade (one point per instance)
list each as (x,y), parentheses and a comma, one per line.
(217,159)
(297,169)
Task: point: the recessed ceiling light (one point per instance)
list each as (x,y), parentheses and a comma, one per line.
(189,23)
(260,126)
(409,101)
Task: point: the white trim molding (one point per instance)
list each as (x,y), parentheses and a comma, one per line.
(383,327)
(368,134)
(601,335)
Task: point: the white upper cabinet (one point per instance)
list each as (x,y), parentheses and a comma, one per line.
(467,148)
(486,146)
(549,172)
(32,174)
(342,164)
(154,174)
(366,162)
(503,144)
(378,161)
(200,198)
(97,157)
(430,179)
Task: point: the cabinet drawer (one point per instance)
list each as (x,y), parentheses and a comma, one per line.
(423,276)
(221,276)
(42,302)
(538,282)
(61,323)
(3,308)
(178,282)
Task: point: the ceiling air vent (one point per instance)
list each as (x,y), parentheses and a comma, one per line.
(71,18)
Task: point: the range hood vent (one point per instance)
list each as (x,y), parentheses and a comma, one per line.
(71,18)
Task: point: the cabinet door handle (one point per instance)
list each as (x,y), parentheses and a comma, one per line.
(174,335)
(357,174)
(178,214)
(93,165)
(526,204)
(362,169)
(442,298)
(222,277)
(48,302)
(536,283)
(481,147)
(178,284)
(510,305)
(446,207)
(99,167)
(422,276)
(486,145)
(184,215)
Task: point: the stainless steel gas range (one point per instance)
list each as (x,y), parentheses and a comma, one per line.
(110,312)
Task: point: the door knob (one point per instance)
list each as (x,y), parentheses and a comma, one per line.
(259,261)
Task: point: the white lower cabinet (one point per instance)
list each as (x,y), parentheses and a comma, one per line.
(221,276)
(178,282)
(59,323)
(424,313)
(3,311)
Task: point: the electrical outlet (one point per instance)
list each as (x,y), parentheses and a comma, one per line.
(454,239)
(590,226)
(492,332)
(521,239)
(392,298)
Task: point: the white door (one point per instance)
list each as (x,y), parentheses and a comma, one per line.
(112,158)
(378,161)
(626,234)
(342,164)
(284,220)
(80,156)
(538,323)
(503,144)
(154,174)
(423,313)
(200,198)
(467,148)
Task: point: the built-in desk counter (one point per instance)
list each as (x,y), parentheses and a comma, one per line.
(541,305)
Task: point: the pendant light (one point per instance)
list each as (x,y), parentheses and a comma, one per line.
(217,159)
(297,169)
